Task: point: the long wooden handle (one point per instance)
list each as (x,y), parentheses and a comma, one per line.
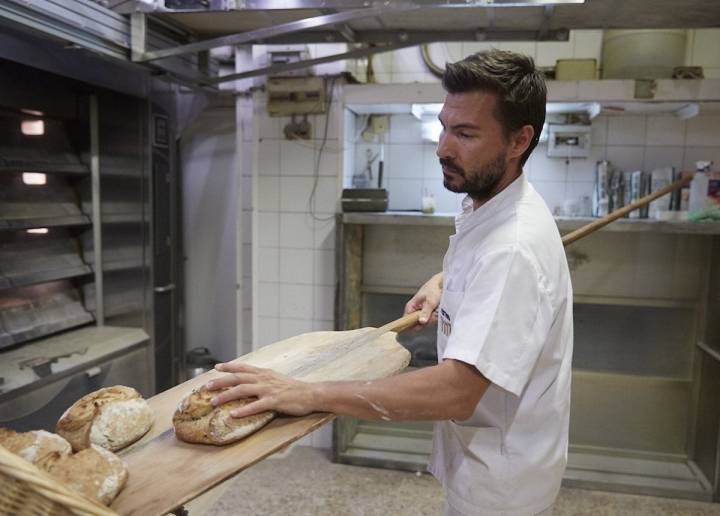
(621,212)
(398,325)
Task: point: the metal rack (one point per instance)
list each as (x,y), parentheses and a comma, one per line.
(57,255)
(644,418)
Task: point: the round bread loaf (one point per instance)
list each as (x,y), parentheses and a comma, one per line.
(93,472)
(34,446)
(197,421)
(112,418)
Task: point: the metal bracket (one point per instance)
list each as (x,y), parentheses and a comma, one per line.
(297,65)
(268,32)
(138,35)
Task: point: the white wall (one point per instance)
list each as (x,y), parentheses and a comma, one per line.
(294,244)
(210,186)
(631,142)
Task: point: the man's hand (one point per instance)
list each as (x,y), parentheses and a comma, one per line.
(274,391)
(426,300)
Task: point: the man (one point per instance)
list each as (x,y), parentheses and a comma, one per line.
(500,393)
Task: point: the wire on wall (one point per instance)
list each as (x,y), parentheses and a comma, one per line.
(316,172)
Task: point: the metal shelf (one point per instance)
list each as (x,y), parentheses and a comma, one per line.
(621,470)
(637,302)
(35,277)
(411,218)
(44,222)
(46,167)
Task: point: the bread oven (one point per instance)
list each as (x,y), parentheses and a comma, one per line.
(76,256)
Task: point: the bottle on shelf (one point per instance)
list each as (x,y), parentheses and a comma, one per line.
(699,187)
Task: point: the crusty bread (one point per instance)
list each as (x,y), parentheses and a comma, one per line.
(112,417)
(93,472)
(35,446)
(197,421)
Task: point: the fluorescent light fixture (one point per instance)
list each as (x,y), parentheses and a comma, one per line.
(591,108)
(38,231)
(32,127)
(431,129)
(34,178)
(523,3)
(421,111)
(688,111)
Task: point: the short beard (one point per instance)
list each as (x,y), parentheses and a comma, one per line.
(478,184)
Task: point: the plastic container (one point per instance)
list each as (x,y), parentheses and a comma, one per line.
(642,54)
(699,187)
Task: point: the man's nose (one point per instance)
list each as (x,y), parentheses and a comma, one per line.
(443,149)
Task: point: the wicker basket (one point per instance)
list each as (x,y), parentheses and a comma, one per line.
(27,490)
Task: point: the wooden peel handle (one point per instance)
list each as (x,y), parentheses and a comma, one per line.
(621,212)
(398,325)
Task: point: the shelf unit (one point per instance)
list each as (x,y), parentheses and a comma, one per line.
(643,417)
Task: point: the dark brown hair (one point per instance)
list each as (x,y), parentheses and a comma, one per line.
(520,88)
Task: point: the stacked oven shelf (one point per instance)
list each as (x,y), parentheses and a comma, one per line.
(54,346)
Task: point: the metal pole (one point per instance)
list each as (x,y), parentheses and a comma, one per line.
(270,70)
(96,213)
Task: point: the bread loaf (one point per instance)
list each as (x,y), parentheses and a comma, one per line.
(35,446)
(112,418)
(197,421)
(93,472)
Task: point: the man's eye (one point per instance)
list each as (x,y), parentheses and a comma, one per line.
(464,135)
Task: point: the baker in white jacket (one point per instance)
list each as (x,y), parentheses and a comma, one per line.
(500,394)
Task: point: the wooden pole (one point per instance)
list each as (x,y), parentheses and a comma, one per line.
(621,212)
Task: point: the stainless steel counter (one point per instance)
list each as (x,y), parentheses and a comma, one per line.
(416,218)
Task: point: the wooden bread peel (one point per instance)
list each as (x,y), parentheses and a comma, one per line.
(166,473)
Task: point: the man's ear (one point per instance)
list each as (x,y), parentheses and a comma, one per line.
(520,141)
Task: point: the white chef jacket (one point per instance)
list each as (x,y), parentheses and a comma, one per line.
(506,309)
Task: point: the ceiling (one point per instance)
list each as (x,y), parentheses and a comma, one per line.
(454,22)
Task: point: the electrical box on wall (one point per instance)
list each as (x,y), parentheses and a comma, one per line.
(295,96)
(568,141)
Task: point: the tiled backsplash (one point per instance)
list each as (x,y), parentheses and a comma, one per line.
(630,142)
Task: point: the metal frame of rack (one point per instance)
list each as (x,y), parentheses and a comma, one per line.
(670,452)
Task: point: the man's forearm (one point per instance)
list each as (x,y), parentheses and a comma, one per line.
(450,390)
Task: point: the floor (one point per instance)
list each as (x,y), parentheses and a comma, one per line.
(304,482)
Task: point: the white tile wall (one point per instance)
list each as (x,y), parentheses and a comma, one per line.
(626,130)
(297,266)
(702,131)
(630,141)
(404,161)
(296,301)
(665,130)
(292,327)
(297,230)
(294,245)
(663,156)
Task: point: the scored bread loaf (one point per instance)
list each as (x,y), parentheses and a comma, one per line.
(112,418)
(93,472)
(35,446)
(197,421)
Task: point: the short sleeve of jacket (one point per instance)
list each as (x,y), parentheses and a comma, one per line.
(503,319)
